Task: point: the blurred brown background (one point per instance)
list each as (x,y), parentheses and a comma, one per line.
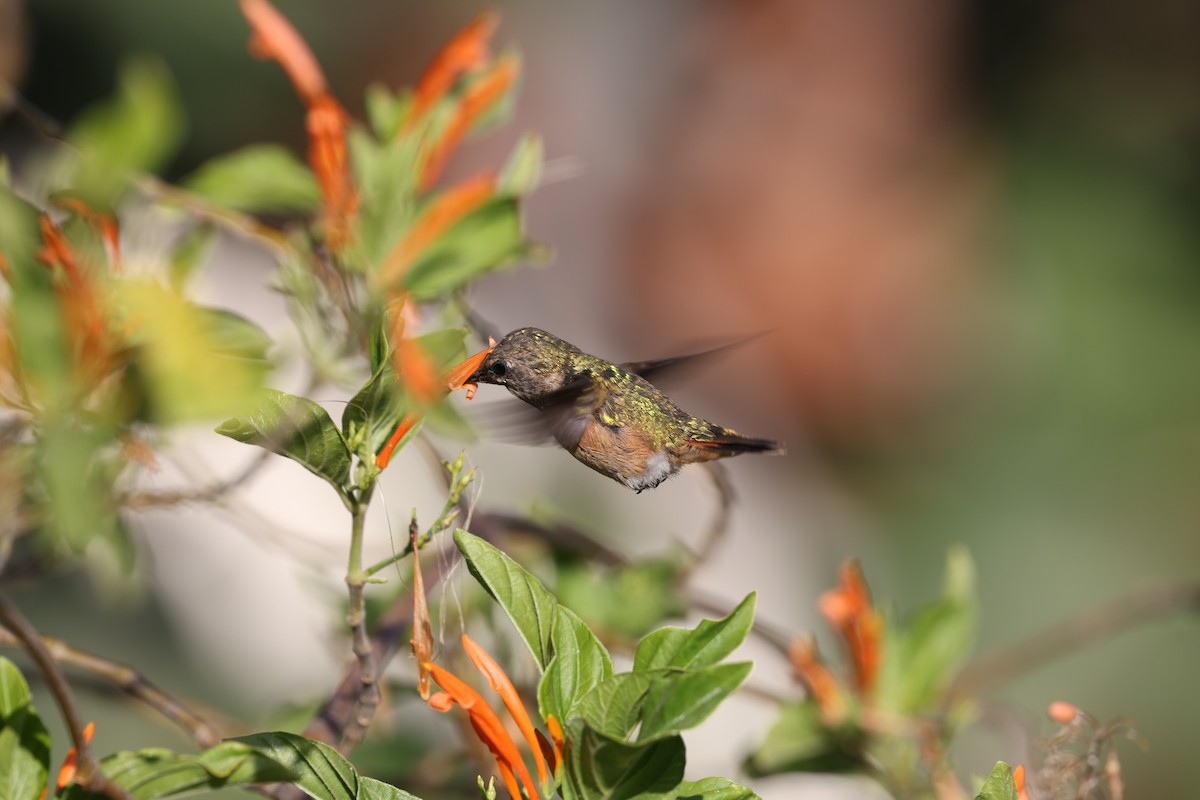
(970,228)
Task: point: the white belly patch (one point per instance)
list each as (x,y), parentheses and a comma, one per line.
(658,469)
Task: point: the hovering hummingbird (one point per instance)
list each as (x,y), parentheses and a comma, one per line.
(609,416)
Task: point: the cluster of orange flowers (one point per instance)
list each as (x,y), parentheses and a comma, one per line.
(483,719)
(466,53)
(848,611)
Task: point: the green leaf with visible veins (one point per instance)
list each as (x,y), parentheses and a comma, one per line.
(600,769)
(297,428)
(157,772)
(706,644)
(999,785)
(316,768)
(580,663)
(24,741)
(526,600)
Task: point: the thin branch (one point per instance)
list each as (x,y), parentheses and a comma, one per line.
(128,680)
(137,501)
(1024,655)
(88,771)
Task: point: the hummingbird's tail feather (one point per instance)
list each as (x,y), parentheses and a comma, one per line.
(728,443)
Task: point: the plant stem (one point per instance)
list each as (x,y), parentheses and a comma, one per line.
(88,771)
(356,580)
(128,680)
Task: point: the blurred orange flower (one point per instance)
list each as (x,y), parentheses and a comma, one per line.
(849,611)
(275,38)
(66,772)
(467,50)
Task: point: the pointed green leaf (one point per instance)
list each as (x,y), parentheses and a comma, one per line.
(385,110)
(484,240)
(579,664)
(999,785)
(523,170)
(526,600)
(259,179)
(932,645)
(196,362)
(158,772)
(614,707)
(371,789)
(297,428)
(24,741)
(317,768)
(679,701)
(600,769)
(714,789)
(706,644)
(136,131)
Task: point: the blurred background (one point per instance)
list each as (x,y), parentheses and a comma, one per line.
(970,229)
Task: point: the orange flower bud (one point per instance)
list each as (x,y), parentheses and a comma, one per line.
(1062,713)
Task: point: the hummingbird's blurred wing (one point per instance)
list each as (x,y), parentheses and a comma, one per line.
(562,417)
(657,370)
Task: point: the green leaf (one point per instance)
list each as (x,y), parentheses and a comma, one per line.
(614,707)
(259,179)
(189,253)
(386,176)
(385,110)
(579,664)
(484,240)
(446,347)
(297,428)
(523,169)
(138,130)
(999,785)
(35,321)
(799,741)
(679,701)
(158,772)
(524,598)
(714,789)
(377,407)
(662,701)
(77,485)
(934,643)
(196,363)
(706,644)
(371,789)
(24,741)
(600,769)
(316,768)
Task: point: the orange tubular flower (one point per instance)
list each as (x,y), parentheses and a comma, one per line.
(435,219)
(453,379)
(467,51)
(477,99)
(817,678)
(1019,780)
(66,772)
(487,727)
(275,38)
(502,685)
(81,309)
(848,610)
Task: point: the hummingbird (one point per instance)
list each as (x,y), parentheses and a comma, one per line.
(607,415)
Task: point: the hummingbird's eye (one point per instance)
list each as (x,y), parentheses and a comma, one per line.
(499,368)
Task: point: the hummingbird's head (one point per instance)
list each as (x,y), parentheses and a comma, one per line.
(531,363)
